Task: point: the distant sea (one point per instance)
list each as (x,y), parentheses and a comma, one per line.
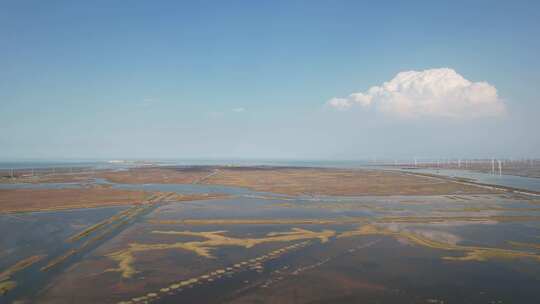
(42,164)
(39,164)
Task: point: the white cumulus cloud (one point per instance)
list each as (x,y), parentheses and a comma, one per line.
(429,93)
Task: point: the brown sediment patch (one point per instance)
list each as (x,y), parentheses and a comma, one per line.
(472,253)
(214,239)
(156,175)
(298,181)
(25,200)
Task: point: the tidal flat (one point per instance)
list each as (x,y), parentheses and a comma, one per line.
(271,235)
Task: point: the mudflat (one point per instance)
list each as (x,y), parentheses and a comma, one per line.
(156,175)
(26,200)
(18,200)
(317,181)
(282,180)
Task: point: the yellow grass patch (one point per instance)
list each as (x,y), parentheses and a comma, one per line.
(472,253)
(213,239)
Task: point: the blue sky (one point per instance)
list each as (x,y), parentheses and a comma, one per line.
(252,79)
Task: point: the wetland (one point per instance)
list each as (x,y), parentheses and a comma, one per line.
(265,234)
